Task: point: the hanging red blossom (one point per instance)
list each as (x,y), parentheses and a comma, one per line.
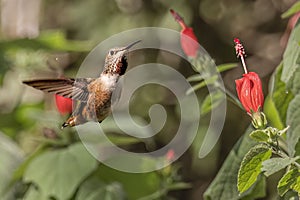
(188,39)
(249,90)
(64,105)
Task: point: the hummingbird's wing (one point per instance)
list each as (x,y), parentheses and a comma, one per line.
(67,87)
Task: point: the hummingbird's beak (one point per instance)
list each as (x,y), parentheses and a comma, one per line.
(132,44)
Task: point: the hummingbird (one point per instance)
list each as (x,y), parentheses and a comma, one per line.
(92,95)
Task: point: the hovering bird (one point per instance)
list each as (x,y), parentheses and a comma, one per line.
(93,95)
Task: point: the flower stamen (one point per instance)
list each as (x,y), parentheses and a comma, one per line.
(240,53)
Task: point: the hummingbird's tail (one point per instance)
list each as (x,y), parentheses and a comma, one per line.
(73,121)
(64,125)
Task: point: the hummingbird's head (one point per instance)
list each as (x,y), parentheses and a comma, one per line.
(116,60)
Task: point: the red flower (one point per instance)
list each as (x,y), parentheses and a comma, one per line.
(64,105)
(249,88)
(250,93)
(188,39)
(170,155)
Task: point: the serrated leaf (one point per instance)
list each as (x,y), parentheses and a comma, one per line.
(226,66)
(211,101)
(273,165)
(58,173)
(251,166)
(224,185)
(259,136)
(291,59)
(292,10)
(291,180)
(293,119)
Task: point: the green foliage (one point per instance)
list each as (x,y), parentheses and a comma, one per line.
(274,165)
(259,136)
(293,118)
(291,180)
(257,159)
(211,101)
(226,66)
(131,182)
(278,100)
(292,10)
(10,158)
(94,188)
(251,166)
(48,40)
(60,171)
(291,67)
(224,185)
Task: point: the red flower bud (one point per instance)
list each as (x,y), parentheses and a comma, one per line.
(170,155)
(64,105)
(188,39)
(249,90)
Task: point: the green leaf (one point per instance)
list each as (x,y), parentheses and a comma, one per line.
(211,101)
(94,189)
(259,136)
(58,173)
(220,68)
(291,67)
(293,119)
(226,66)
(202,84)
(195,77)
(277,102)
(292,10)
(273,165)
(34,194)
(251,166)
(258,190)
(10,158)
(224,185)
(291,180)
(18,173)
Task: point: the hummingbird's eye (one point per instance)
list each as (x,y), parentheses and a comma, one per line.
(111,53)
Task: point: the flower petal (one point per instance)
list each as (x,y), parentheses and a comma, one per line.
(189,42)
(257,96)
(64,105)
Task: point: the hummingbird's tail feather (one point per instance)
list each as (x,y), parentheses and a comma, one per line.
(73,121)
(64,125)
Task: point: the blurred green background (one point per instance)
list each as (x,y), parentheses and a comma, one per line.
(50,38)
